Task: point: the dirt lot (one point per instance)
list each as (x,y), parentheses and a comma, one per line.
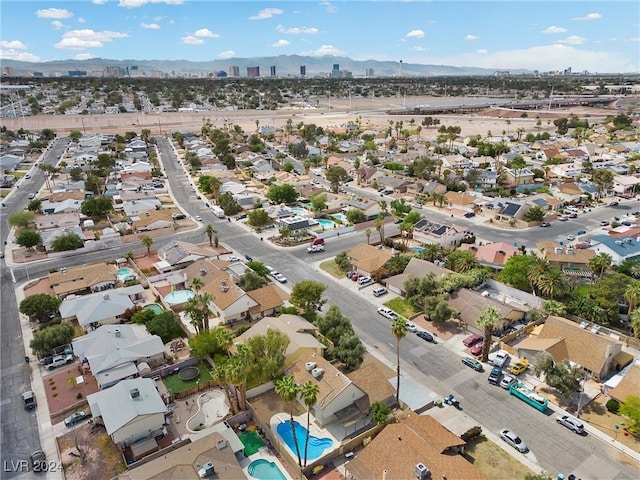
(598,416)
(103,459)
(493,460)
(62,390)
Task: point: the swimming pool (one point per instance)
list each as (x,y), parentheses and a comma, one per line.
(300,211)
(417,249)
(341,216)
(326,224)
(126,273)
(265,470)
(179,296)
(317,446)
(155,308)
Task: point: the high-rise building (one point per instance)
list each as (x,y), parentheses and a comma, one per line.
(335,71)
(303,70)
(272,70)
(253,72)
(234,71)
(112,71)
(7,71)
(77,73)
(369,73)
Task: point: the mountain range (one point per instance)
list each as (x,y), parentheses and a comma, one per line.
(286,65)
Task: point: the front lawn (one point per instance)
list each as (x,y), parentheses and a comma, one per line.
(492,460)
(332,268)
(402,307)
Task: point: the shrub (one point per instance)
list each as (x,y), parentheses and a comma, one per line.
(613,406)
(79,396)
(472,433)
(55,395)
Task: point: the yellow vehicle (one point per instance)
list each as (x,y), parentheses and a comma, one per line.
(519,367)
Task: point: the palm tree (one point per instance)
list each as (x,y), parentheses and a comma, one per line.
(220,376)
(554,308)
(399,328)
(552,283)
(204,299)
(539,267)
(197,284)
(192,308)
(210,230)
(431,252)
(379,225)
(287,388)
(309,393)
(367,233)
(489,317)
(147,241)
(600,263)
(634,318)
(632,295)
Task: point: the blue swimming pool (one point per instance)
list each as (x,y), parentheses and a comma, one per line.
(265,470)
(317,446)
(126,273)
(341,216)
(326,224)
(300,211)
(155,308)
(417,249)
(179,296)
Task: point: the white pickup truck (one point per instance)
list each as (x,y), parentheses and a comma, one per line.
(60,360)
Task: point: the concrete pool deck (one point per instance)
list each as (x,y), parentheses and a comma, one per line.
(212,409)
(314,431)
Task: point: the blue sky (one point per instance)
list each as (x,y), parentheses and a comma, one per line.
(598,36)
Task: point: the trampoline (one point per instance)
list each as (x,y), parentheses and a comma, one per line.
(188,373)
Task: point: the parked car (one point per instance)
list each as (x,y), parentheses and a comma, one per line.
(571,423)
(365,280)
(426,336)
(477,349)
(582,232)
(545,224)
(473,363)
(31,196)
(271,269)
(604,223)
(494,376)
(571,238)
(573,215)
(198,218)
(38,461)
(76,418)
(386,312)
(60,360)
(469,215)
(514,440)
(280,277)
(507,380)
(471,340)
(519,367)
(412,327)
(379,291)
(563,218)
(501,359)
(29,400)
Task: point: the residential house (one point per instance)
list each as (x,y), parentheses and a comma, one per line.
(416,268)
(494,255)
(65,206)
(152,220)
(460,201)
(9,162)
(269,299)
(49,236)
(620,249)
(132,410)
(230,303)
(339,399)
(426,232)
(297,225)
(565,340)
(369,175)
(396,184)
(565,171)
(572,261)
(567,192)
(425,188)
(522,176)
(83,279)
(91,311)
(470,304)
(179,254)
(510,211)
(455,162)
(116,352)
(136,145)
(367,258)
(370,208)
(487,179)
(219,445)
(301,334)
(136,207)
(545,201)
(625,185)
(628,384)
(60,220)
(416,447)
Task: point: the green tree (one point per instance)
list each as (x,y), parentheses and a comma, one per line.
(35,205)
(47,338)
(267,355)
(76,174)
(284,193)
(210,230)
(349,350)
(600,263)
(552,283)
(488,319)
(335,175)
(634,320)
(287,389)
(40,306)
(380,412)
(355,215)
(632,295)
(334,324)
(166,325)
(515,271)
(461,261)
(400,207)
(560,376)
(555,308)
(28,238)
(309,394)
(399,329)
(258,267)
(603,178)
(342,260)
(21,219)
(306,296)
(318,203)
(367,234)
(96,206)
(143,316)
(229,204)
(258,218)
(251,281)
(437,308)
(562,125)
(630,409)
(207,343)
(67,241)
(147,241)
(535,214)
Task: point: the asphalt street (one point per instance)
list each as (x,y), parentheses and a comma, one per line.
(437,367)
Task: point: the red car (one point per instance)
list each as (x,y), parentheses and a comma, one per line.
(355,276)
(471,340)
(477,349)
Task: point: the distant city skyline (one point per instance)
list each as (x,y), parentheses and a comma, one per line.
(596,36)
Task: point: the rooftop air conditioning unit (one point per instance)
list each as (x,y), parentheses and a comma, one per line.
(570,251)
(106,296)
(595,329)
(117,333)
(317,372)
(558,249)
(310,366)
(223,286)
(220,444)
(584,324)
(422,472)
(135,393)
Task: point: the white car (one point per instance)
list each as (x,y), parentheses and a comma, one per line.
(279,277)
(501,358)
(365,280)
(514,440)
(198,218)
(271,269)
(387,313)
(507,380)
(571,423)
(412,327)
(571,238)
(233,258)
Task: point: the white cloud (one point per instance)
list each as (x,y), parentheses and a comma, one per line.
(81,20)
(588,16)
(98,2)
(21,56)
(324,50)
(573,40)
(266,13)
(57,24)
(83,56)
(13,45)
(205,33)
(554,29)
(329,8)
(471,37)
(415,34)
(87,38)
(54,13)
(140,3)
(150,26)
(297,30)
(482,51)
(191,40)
(280,43)
(227,54)
(417,48)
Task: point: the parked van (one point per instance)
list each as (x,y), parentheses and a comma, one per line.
(318,241)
